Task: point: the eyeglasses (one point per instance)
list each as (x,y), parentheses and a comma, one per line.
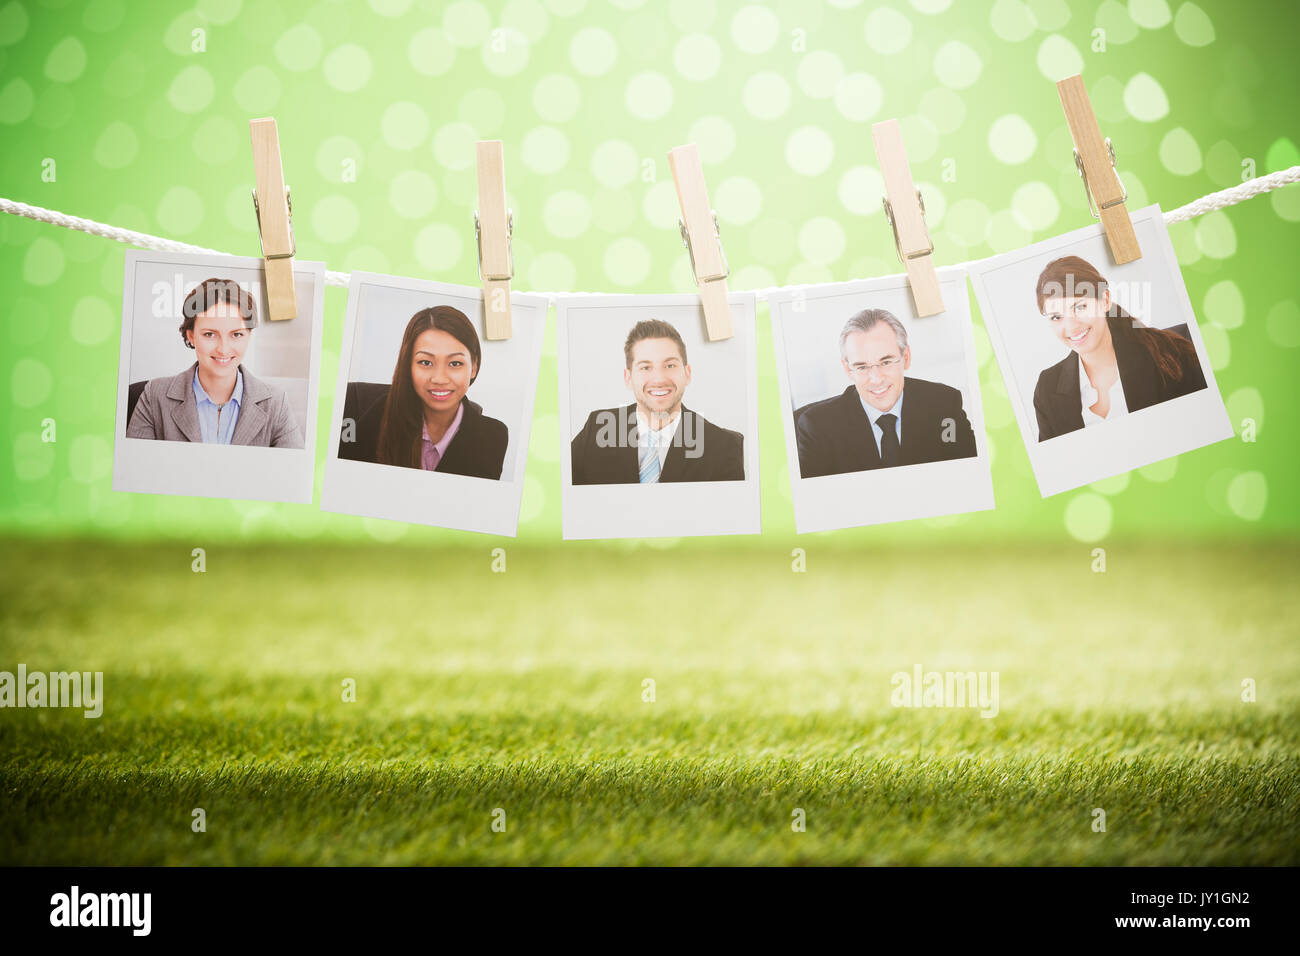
(862,368)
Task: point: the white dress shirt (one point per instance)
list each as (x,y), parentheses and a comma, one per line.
(1089,395)
(663,437)
(874,413)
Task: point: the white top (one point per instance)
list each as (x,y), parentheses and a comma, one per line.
(877,430)
(1089,395)
(663,437)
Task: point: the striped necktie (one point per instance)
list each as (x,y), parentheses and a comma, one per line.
(649,460)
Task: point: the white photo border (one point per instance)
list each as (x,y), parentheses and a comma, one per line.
(904,492)
(670,509)
(456,502)
(1141,437)
(197,469)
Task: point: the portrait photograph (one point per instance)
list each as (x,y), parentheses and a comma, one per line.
(881,409)
(1104,364)
(432,419)
(659,424)
(214,399)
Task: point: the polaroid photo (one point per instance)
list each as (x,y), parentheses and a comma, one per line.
(213,399)
(659,425)
(882,410)
(432,419)
(1104,364)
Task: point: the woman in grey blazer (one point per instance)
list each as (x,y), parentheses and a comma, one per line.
(215,400)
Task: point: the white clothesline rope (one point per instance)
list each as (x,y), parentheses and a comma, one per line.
(1198,207)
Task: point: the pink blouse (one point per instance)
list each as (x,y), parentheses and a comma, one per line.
(431,453)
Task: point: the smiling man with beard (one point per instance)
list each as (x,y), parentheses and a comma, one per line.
(656,438)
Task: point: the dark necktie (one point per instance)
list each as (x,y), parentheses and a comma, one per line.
(888,440)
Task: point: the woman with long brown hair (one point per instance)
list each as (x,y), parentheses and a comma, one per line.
(1116,364)
(424,419)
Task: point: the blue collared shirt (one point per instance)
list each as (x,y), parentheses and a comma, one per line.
(874,413)
(217,422)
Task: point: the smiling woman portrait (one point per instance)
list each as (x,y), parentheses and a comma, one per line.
(216,400)
(425,418)
(1116,364)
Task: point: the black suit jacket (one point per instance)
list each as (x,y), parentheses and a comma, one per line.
(1056,396)
(835,436)
(718,452)
(478,449)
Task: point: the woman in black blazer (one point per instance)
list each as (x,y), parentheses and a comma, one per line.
(425,419)
(1116,364)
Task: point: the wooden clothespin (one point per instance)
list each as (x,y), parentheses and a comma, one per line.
(274,210)
(494,225)
(1095,160)
(699,228)
(905,211)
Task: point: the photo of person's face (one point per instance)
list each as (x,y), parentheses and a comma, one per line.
(1080,321)
(872,360)
(220,339)
(440,369)
(658,376)
(1103,361)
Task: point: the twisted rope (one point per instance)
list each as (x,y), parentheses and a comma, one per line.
(1199,207)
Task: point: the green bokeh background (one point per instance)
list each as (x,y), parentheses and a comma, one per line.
(148,134)
(524,690)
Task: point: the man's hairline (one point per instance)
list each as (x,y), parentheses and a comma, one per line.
(650,338)
(902,351)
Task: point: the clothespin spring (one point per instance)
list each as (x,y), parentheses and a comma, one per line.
(1078,162)
(717,234)
(293,244)
(510,248)
(889,215)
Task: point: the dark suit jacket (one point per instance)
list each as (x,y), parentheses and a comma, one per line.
(835,436)
(720,451)
(478,449)
(1056,397)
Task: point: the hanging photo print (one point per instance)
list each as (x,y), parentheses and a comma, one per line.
(431,418)
(882,411)
(660,424)
(214,399)
(1104,364)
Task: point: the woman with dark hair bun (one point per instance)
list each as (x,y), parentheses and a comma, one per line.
(1116,363)
(216,400)
(425,419)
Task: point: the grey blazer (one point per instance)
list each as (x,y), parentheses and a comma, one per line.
(167,411)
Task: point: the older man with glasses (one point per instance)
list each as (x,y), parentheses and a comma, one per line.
(884,418)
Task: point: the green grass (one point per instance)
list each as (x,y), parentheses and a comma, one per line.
(523,691)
